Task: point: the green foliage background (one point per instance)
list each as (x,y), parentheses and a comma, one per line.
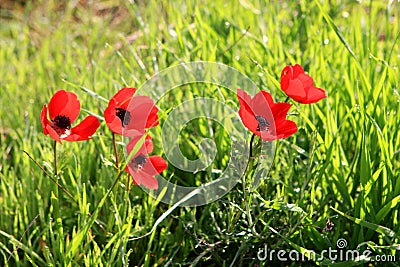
(341,166)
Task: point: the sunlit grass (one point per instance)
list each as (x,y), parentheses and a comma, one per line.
(342,165)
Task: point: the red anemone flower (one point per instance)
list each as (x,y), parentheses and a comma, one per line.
(64,108)
(126,112)
(263,117)
(142,167)
(300,86)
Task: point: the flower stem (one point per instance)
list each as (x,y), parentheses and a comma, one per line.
(56,206)
(128,184)
(244,176)
(55,158)
(274,159)
(115,151)
(251,146)
(287,99)
(56,202)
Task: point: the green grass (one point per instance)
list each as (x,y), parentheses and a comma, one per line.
(343,164)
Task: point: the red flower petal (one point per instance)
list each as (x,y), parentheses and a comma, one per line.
(113,122)
(140,177)
(153,118)
(124,96)
(146,148)
(143,112)
(244,99)
(149,181)
(280,110)
(300,86)
(53,134)
(154,165)
(266,136)
(248,119)
(43,119)
(64,103)
(297,70)
(261,104)
(84,130)
(315,94)
(286,128)
(141,109)
(286,76)
(296,90)
(306,80)
(276,125)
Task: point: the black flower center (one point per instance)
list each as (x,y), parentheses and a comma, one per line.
(263,124)
(139,161)
(123,115)
(61,123)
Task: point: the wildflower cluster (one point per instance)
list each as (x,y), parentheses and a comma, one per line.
(125,115)
(130,115)
(267,119)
